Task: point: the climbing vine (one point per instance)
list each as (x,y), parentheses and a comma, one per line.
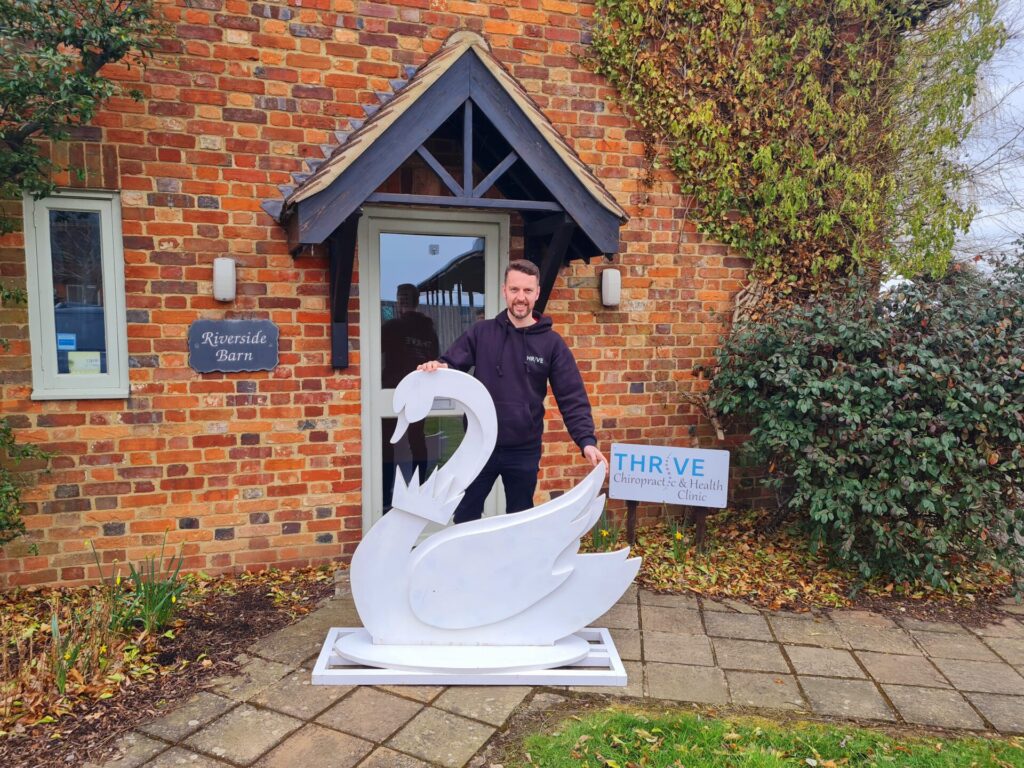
(818,138)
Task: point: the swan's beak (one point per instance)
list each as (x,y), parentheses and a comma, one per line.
(400,427)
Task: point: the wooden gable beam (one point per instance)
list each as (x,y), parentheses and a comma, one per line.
(596,221)
(341,247)
(554,257)
(318,216)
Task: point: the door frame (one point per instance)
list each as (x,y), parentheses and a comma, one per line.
(372,223)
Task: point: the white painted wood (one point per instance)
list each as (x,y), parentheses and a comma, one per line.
(602,666)
(514,580)
(497,601)
(47,383)
(359,647)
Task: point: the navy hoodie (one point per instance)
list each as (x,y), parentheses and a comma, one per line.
(516,364)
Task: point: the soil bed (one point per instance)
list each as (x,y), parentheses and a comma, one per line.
(210,631)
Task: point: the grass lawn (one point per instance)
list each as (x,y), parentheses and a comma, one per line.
(628,739)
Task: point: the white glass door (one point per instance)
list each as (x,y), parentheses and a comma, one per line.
(424,281)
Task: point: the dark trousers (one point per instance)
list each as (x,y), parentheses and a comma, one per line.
(517,467)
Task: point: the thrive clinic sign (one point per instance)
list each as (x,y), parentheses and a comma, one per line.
(689,476)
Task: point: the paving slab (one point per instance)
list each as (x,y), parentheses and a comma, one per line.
(424,693)
(749,655)
(727,605)
(630,595)
(902,670)
(948,627)
(870,638)
(296,695)
(705,685)
(314,746)
(862,619)
(845,698)
(738,626)
(133,750)
(627,643)
(619,616)
(817,631)
(332,613)
(677,649)
(1006,627)
(1014,606)
(189,717)
(176,757)
(291,645)
(490,703)
(253,676)
(634,683)
(823,662)
(243,734)
(668,601)
(370,714)
(678,620)
(1006,713)
(383,757)
(981,676)
(762,689)
(542,701)
(927,706)
(441,737)
(954,646)
(1010,649)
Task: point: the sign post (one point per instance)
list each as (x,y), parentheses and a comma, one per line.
(691,477)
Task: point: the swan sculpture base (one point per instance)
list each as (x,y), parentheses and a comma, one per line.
(461,659)
(601,666)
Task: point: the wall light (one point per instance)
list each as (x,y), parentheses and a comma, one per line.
(611,287)
(224,279)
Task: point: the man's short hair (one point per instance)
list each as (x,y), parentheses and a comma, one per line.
(524,266)
(408,294)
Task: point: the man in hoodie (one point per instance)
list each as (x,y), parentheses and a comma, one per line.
(515,355)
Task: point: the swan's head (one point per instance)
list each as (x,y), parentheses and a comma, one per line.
(414,397)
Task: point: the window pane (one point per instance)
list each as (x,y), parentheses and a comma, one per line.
(75,249)
(432,290)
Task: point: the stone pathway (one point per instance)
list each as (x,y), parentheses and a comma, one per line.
(850,664)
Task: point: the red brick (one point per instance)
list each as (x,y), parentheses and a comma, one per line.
(234,103)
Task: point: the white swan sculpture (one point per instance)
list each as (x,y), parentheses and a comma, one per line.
(497,594)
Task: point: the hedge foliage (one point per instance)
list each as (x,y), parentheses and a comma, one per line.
(892,423)
(814,137)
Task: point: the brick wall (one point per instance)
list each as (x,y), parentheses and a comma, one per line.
(257,469)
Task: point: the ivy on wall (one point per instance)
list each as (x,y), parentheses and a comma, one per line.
(816,137)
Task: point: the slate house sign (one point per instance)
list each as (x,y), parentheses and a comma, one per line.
(232,345)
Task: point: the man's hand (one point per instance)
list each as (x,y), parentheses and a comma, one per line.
(431,365)
(594,455)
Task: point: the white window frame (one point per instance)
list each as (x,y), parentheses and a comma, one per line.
(47,383)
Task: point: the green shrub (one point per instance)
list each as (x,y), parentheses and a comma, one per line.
(892,423)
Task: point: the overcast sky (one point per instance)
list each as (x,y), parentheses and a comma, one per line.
(998,144)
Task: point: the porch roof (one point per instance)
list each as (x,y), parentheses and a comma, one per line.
(464,70)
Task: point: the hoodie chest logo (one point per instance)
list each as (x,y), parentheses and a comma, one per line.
(535,359)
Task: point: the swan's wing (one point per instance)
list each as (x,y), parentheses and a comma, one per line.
(478,573)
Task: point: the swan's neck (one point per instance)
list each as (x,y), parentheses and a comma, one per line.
(474,450)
